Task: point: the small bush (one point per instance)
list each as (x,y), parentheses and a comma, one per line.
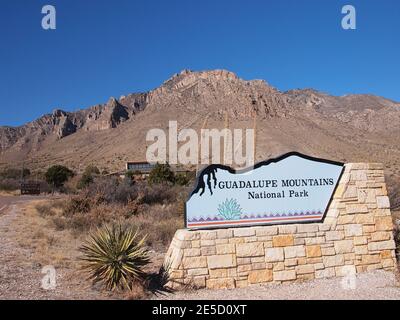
(57,175)
(114,256)
(161,173)
(9,184)
(181,179)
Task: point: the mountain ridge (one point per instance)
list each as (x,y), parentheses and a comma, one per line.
(286,121)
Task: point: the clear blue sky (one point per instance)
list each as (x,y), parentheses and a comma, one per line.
(108,48)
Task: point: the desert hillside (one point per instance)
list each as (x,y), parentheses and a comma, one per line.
(352,128)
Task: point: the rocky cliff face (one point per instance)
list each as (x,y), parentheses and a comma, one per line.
(354,128)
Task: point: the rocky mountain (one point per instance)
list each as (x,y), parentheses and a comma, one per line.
(348,128)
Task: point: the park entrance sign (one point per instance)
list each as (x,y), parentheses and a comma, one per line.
(293,188)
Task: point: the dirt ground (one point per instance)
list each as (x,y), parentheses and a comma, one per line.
(28,244)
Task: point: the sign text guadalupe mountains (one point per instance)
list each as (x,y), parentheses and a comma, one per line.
(293,188)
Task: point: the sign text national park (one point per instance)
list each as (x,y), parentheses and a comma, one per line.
(293,188)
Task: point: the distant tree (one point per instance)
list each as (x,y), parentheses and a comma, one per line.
(87,176)
(161,173)
(57,175)
(26,172)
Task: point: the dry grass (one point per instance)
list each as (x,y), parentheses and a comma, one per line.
(33,230)
(157,211)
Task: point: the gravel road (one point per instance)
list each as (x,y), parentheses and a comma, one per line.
(366,286)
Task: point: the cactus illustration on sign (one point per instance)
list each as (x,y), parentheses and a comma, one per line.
(230,209)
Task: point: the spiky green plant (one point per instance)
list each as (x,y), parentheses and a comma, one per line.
(114,255)
(230,209)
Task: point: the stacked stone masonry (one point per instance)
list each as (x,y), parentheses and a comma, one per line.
(355,236)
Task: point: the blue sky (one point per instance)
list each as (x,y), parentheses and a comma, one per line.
(107,48)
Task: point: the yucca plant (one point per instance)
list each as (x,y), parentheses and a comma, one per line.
(114,255)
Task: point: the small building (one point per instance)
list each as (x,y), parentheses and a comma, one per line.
(141,166)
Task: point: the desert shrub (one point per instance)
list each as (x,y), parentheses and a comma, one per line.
(60,223)
(78,204)
(113,190)
(9,184)
(157,193)
(161,173)
(84,181)
(92,170)
(45,209)
(115,256)
(159,222)
(181,179)
(12,173)
(57,175)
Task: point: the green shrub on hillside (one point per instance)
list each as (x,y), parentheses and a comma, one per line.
(57,175)
(161,173)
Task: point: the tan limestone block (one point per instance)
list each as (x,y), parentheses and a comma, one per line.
(221,261)
(225,248)
(236,240)
(193,252)
(387,254)
(194,262)
(260,276)
(352,230)
(266,231)
(284,275)
(290,262)
(328,251)
(370,259)
(252,249)
(380,236)
(241,283)
(325,273)
(219,273)
(227,283)
(346,219)
(287,229)
(364,219)
(363,249)
(274,254)
(388,263)
(383,202)
(333,261)
(208,251)
(344,246)
(208,235)
(294,252)
(356,208)
(244,232)
(368,229)
(304,269)
(197,272)
(308,228)
(282,240)
(245,267)
(205,243)
(383,223)
(382,245)
(224,233)
(279,266)
(334,235)
(360,240)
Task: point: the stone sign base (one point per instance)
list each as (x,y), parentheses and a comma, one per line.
(355,236)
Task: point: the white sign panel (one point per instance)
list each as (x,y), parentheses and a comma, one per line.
(293,188)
